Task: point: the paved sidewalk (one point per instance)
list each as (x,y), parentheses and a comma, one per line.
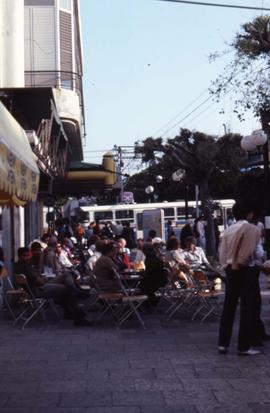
(172,367)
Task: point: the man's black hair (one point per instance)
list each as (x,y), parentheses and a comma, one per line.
(107,248)
(241,209)
(22,251)
(152,233)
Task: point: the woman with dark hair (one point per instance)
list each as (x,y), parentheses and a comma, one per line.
(186,231)
(174,254)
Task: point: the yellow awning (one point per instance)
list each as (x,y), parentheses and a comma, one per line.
(19,174)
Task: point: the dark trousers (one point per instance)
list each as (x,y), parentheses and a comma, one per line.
(238,286)
(258,330)
(63,296)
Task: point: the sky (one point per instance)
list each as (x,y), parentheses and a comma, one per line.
(146,67)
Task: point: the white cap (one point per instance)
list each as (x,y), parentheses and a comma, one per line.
(156,240)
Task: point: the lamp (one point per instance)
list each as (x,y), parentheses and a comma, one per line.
(248,144)
(149,190)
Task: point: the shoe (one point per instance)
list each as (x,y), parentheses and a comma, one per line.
(222,350)
(249,352)
(83,323)
(257,343)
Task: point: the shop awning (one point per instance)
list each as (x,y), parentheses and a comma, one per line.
(19,174)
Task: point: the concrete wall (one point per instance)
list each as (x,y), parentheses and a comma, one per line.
(12,43)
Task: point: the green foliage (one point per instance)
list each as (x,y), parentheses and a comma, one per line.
(204,158)
(247,76)
(254,40)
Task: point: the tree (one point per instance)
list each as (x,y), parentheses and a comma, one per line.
(202,157)
(247,76)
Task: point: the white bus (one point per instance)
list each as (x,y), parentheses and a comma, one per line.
(174,211)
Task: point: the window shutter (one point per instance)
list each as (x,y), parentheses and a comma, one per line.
(66,44)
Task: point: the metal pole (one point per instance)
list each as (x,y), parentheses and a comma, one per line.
(186,202)
(197,200)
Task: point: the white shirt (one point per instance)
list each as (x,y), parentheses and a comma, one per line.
(196,257)
(238,243)
(64,260)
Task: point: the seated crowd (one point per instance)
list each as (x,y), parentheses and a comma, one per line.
(55,266)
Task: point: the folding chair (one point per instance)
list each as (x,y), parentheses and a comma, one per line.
(207,297)
(108,301)
(34,306)
(184,293)
(11,297)
(130,303)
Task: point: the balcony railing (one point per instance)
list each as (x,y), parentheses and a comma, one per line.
(57,79)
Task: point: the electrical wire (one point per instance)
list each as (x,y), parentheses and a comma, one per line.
(181,112)
(231,6)
(202,104)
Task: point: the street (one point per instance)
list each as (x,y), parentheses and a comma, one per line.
(173,366)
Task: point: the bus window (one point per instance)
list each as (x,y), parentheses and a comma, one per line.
(181,212)
(124,214)
(103,215)
(139,221)
(168,212)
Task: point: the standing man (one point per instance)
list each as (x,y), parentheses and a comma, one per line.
(238,248)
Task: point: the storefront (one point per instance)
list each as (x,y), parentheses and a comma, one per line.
(19,180)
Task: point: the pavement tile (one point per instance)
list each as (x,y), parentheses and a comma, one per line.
(114,409)
(133,373)
(239,408)
(188,408)
(83,399)
(219,372)
(150,363)
(158,384)
(18,386)
(206,384)
(196,397)
(15,410)
(236,395)
(59,410)
(61,386)
(112,384)
(109,363)
(141,398)
(23,400)
(260,407)
(85,374)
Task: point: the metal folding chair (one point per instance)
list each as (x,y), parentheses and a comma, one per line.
(11,297)
(108,301)
(207,297)
(33,306)
(130,303)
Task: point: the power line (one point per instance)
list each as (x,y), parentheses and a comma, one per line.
(181,112)
(203,103)
(231,6)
